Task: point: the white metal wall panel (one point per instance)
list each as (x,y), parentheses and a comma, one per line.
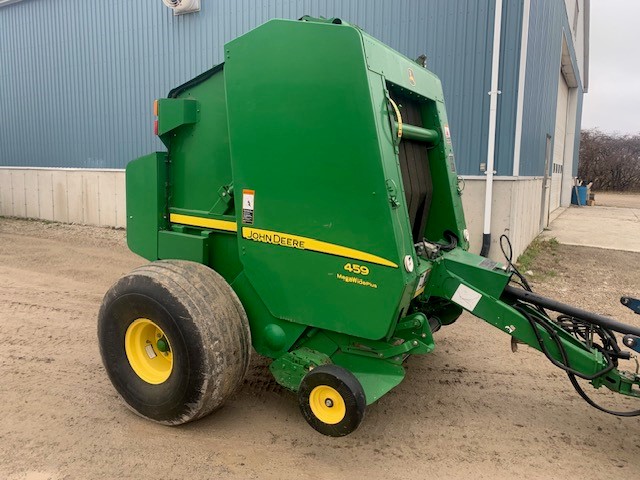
(45,194)
(558,143)
(93,197)
(569,173)
(516,203)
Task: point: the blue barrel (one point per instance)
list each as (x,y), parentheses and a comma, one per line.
(579,196)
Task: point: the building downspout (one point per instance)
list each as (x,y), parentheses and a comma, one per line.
(491,144)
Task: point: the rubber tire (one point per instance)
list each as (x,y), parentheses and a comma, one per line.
(207,328)
(347,386)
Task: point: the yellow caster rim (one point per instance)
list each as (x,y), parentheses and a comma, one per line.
(327,404)
(148,351)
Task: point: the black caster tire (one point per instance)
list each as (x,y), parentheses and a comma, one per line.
(174,340)
(332,400)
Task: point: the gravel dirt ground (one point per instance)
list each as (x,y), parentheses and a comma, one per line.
(471,409)
(616,199)
(614,226)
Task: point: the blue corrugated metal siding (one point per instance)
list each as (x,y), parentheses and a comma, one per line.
(508,85)
(547,22)
(541,87)
(79,78)
(459,50)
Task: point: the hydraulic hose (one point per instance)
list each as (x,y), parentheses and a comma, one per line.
(556,306)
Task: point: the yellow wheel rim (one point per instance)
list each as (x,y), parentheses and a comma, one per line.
(327,404)
(148,351)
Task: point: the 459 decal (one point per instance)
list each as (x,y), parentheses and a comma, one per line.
(357,269)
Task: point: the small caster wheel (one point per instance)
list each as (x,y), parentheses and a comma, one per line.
(332,400)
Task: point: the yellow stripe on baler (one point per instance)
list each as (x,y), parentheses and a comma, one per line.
(305,243)
(225,225)
(283,239)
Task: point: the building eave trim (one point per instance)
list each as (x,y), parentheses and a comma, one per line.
(587,30)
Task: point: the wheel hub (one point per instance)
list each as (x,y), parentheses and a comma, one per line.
(327,404)
(162,345)
(148,351)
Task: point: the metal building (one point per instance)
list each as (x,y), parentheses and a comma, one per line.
(78,79)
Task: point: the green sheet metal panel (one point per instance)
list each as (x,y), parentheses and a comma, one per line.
(176,245)
(304,139)
(313,155)
(425,88)
(200,158)
(146,203)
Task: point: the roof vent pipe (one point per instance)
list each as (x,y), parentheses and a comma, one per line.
(491,144)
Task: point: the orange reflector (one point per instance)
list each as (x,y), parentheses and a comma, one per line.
(155,107)
(155,127)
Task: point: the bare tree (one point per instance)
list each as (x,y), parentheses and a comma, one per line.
(610,161)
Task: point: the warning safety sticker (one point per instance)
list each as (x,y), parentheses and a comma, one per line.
(248,197)
(447,134)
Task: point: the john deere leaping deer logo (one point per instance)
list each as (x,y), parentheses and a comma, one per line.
(412,78)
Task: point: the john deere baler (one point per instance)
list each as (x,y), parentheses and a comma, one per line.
(308,205)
